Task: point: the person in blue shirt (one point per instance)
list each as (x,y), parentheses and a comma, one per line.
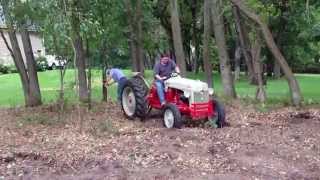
(115,75)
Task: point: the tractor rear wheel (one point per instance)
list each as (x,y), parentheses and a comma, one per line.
(133,99)
(172,116)
(221,114)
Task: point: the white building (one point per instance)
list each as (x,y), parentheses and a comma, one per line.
(36,42)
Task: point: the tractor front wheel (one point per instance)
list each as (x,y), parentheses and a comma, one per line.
(172,116)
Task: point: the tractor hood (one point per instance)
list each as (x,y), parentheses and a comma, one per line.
(186,85)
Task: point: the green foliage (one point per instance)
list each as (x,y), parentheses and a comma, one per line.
(104,27)
(294,28)
(104,30)
(4,69)
(42,63)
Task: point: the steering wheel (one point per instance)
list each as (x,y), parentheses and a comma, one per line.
(174,74)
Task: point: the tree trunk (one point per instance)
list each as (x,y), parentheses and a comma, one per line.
(256,51)
(80,55)
(104,66)
(194,35)
(103,58)
(18,61)
(62,72)
(177,39)
(276,70)
(148,63)
(138,31)
(206,41)
(237,61)
(132,36)
(81,66)
(198,63)
(34,89)
(282,28)
(89,74)
(293,83)
(104,89)
(225,67)
(133,54)
(244,41)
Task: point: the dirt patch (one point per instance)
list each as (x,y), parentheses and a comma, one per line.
(282,144)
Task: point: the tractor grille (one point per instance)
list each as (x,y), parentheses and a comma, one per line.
(201,97)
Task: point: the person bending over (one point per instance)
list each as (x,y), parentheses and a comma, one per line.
(115,75)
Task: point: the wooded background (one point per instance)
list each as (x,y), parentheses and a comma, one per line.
(260,38)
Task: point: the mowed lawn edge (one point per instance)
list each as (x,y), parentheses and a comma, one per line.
(277,90)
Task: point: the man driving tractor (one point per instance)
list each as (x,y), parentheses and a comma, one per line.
(162,72)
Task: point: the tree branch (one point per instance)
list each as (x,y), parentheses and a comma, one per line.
(7,44)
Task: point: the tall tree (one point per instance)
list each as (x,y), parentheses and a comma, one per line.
(195,35)
(283,7)
(237,60)
(225,66)
(292,81)
(80,57)
(139,47)
(206,42)
(27,72)
(257,66)
(177,39)
(34,88)
(242,35)
(134,14)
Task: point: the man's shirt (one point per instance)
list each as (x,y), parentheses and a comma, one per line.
(116,74)
(164,70)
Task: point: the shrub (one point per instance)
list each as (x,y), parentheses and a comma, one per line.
(42,63)
(309,67)
(12,69)
(4,69)
(313,68)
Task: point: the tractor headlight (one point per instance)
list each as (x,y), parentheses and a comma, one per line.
(211,91)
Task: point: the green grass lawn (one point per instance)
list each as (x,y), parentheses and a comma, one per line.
(277,90)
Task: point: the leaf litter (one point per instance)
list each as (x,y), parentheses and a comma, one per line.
(280,144)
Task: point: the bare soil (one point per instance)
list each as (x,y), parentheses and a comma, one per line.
(281,144)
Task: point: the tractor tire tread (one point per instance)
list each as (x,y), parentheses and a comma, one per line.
(140,93)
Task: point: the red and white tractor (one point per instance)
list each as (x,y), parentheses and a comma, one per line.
(184,98)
